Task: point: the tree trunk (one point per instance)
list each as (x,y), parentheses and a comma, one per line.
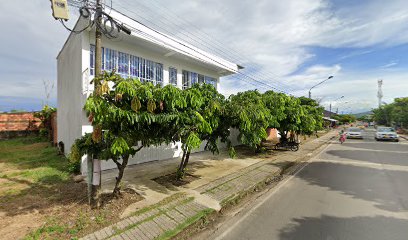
(121,168)
(186,160)
(180,174)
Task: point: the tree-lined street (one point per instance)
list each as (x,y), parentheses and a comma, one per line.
(352,191)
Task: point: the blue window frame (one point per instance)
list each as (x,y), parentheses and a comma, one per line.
(134,66)
(123,64)
(191,78)
(173,76)
(128,65)
(210,80)
(92,60)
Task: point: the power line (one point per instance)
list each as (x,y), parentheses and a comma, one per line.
(221,45)
(263,75)
(188,54)
(113,23)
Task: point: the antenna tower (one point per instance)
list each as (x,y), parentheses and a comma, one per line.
(380,92)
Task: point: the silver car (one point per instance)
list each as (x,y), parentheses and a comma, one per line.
(386,133)
(354,132)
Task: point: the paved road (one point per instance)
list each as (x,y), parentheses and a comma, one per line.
(358,190)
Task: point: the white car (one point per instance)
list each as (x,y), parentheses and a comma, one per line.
(386,133)
(354,132)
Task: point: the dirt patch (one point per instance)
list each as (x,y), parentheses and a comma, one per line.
(65,221)
(38,197)
(170,180)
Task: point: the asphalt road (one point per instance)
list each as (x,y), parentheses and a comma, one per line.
(358,190)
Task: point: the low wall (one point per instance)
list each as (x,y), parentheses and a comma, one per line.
(18,124)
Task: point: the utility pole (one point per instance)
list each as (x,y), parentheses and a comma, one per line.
(330,110)
(60,12)
(94,166)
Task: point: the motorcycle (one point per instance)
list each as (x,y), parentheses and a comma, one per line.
(342,138)
(287,145)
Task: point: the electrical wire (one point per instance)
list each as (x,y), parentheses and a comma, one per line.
(109,26)
(84,13)
(221,48)
(189,47)
(201,59)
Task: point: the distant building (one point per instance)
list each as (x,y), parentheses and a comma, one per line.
(146,54)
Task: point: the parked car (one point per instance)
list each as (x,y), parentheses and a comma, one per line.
(354,132)
(386,133)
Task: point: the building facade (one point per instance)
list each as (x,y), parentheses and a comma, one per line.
(145,54)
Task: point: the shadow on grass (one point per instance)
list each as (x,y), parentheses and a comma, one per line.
(49,191)
(38,177)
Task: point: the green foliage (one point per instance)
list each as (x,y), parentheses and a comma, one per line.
(345,118)
(312,120)
(365,118)
(132,115)
(75,158)
(395,113)
(45,115)
(247,112)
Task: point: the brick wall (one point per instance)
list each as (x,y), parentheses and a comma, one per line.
(18,122)
(54,129)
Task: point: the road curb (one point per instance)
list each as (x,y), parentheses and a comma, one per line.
(234,199)
(181,212)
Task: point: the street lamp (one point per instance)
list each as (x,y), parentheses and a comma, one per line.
(310,91)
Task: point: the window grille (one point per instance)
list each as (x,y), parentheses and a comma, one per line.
(173,76)
(128,65)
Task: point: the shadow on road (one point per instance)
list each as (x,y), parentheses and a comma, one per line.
(393,158)
(334,228)
(387,146)
(385,188)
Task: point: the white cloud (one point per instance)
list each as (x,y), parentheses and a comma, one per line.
(276,35)
(390,64)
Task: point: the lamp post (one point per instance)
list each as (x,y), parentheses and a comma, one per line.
(310,91)
(330,111)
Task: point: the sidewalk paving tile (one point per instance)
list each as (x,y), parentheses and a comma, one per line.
(171,214)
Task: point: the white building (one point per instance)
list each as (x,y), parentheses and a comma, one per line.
(146,54)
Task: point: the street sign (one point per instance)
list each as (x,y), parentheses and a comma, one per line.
(60,9)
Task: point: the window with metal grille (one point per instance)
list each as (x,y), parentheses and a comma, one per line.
(186,79)
(123,65)
(210,80)
(92,60)
(173,76)
(128,65)
(191,78)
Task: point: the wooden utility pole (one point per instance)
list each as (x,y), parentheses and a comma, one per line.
(94,167)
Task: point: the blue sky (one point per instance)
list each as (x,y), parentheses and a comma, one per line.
(290,44)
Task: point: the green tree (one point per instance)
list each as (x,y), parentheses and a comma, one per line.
(130,116)
(312,120)
(202,119)
(345,118)
(247,112)
(294,113)
(400,112)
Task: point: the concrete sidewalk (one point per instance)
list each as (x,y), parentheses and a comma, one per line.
(167,211)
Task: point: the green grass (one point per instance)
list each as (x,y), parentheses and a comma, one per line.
(30,161)
(172,233)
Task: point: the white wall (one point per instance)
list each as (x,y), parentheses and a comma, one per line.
(69,87)
(74,87)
